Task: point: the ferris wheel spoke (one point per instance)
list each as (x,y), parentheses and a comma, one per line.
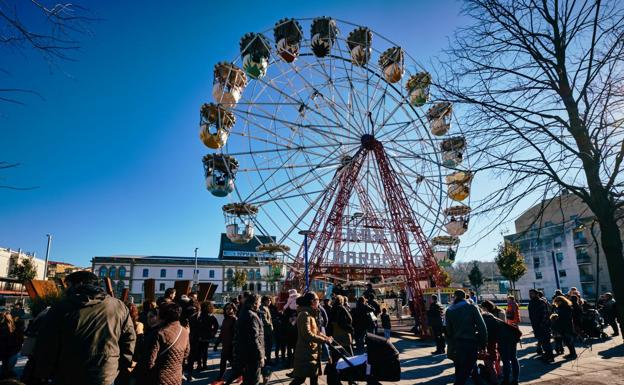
(298,148)
(290,181)
(315,87)
(336,91)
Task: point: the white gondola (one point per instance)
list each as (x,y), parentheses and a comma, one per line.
(439,116)
(220,172)
(228,84)
(239,218)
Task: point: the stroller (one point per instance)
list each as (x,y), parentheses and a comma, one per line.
(592,325)
(379,363)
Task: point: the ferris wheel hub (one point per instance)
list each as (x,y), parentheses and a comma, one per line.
(368,141)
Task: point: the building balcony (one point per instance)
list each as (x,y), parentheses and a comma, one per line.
(583,259)
(587,278)
(580,242)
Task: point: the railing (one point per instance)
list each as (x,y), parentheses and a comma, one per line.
(583,258)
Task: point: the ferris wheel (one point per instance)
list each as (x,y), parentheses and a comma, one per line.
(325,128)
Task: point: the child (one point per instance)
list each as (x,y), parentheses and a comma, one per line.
(385,323)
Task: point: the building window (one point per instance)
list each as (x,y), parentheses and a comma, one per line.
(112,272)
(258,276)
(122,272)
(145,273)
(538,275)
(163,273)
(272,287)
(229,287)
(250,275)
(211,274)
(120,287)
(562,273)
(259,286)
(162,287)
(229,274)
(180,273)
(143,286)
(536,262)
(103,272)
(559,257)
(244,287)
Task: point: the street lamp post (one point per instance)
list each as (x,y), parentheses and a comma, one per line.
(196,272)
(305,234)
(45,266)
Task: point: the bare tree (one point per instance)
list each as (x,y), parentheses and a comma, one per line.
(51,30)
(539,86)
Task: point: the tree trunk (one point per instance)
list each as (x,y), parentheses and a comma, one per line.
(612,247)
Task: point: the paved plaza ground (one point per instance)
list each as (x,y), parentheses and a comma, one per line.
(602,363)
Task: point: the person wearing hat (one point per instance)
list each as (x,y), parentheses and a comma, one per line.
(467,333)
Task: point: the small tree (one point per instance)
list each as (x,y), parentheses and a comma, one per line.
(25,270)
(238,279)
(510,262)
(445,278)
(475,276)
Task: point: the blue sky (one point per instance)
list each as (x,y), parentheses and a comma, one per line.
(113,144)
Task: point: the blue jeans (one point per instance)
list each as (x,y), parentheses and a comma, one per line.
(387,333)
(465,360)
(510,361)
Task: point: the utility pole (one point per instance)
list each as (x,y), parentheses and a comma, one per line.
(45,266)
(196,272)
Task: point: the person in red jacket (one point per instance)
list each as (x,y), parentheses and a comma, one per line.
(513,311)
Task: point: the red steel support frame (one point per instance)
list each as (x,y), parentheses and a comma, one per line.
(402,218)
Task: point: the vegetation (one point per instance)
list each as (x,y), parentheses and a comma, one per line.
(510,263)
(475,276)
(24,270)
(238,279)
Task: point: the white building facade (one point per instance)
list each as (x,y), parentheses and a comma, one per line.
(9,257)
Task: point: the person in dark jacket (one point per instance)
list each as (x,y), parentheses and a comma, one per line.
(10,344)
(435,316)
(492,359)
(564,324)
(386,324)
(249,341)
(577,314)
(467,334)
(609,312)
(147,306)
(208,328)
(169,348)
(226,338)
(86,338)
(289,325)
(125,376)
(540,322)
(506,337)
(362,322)
(341,326)
(190,319)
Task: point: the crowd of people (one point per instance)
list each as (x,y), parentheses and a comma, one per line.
(90,337)
(485,332)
